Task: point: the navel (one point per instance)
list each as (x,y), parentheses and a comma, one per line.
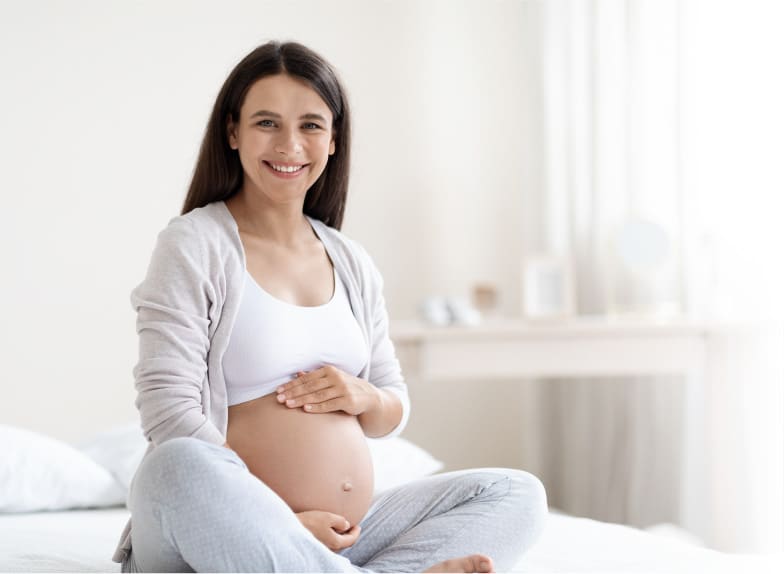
(347,486)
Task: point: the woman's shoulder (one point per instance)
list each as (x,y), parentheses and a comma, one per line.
(198,243)
(211,216)
(203,225)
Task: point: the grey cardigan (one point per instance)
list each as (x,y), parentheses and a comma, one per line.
(186,307)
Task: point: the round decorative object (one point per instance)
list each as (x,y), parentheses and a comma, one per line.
(642,245)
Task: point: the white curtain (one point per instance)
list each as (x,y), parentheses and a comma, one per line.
(639,127)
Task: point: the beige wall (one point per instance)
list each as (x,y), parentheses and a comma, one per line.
(103,106)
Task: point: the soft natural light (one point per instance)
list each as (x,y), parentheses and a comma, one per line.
(733,142)
(663,133)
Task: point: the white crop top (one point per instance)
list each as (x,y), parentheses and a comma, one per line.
(271,340)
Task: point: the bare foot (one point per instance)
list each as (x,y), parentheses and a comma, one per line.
(472,563)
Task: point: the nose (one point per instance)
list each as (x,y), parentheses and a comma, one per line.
(288,144)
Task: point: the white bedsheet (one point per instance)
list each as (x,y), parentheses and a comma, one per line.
(83,541)
(571,544)
(69,541)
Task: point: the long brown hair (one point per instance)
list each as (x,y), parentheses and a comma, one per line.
(218,173)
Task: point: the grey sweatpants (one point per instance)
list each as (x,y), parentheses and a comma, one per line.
(196,507)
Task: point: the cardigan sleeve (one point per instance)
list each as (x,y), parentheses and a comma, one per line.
(172,322)
(385,370)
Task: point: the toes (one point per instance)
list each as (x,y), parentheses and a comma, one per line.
(471,563)
(483,564)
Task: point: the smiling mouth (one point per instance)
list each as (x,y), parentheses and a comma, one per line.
(286,168)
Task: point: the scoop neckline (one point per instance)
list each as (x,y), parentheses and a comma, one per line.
(288,304)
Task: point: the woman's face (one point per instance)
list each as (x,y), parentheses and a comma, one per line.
(284,138)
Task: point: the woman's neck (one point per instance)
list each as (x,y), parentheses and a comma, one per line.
(283,225)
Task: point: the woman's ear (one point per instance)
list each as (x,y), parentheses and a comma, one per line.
(332,146)
(231,133)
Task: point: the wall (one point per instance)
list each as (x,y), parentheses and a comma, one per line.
(102,110)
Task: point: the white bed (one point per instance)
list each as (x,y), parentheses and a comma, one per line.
(83,541)
(38,473)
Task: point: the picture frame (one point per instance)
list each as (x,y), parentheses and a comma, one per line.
(548,287)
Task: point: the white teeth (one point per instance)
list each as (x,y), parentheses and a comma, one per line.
(286,168)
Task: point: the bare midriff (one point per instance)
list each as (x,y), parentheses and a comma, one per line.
(313,461)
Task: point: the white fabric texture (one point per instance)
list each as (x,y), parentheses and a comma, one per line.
(398,461)
(41,473)
(119,450)
(81,541)
(272,340)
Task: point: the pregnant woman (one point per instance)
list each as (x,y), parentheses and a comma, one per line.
(265,362)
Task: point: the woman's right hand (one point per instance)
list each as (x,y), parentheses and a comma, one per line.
(332,530)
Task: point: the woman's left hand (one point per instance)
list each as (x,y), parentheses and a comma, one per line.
(327,390)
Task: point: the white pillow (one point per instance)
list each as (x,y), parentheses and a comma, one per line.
(395,460)
(119,450)
(42,473)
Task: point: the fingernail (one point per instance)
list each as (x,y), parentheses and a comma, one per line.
(279,390)
(484,565)
(290,403)
(308,407)
(281,398)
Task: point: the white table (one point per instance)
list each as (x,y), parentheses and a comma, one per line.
(581,347)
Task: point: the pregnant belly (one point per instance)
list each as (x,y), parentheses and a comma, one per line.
(312,461)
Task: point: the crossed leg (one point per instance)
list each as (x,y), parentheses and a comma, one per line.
(487,517)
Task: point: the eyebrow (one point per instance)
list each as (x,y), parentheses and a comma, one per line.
(267,113)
